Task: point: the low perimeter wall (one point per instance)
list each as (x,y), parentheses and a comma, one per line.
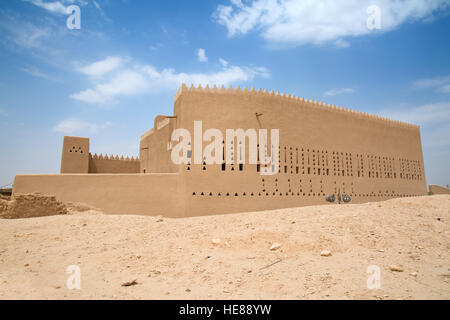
(143,194)
(439,190)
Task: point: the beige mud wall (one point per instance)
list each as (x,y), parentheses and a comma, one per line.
(322,150)
(150,194)
(155,152)
(75,155)
(113,166)
(439,190)
(76,158)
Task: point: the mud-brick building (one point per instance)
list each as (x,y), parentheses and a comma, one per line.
(324,150)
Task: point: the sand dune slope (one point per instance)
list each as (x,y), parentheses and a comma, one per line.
(230,256)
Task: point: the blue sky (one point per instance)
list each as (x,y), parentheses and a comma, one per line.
(109,79)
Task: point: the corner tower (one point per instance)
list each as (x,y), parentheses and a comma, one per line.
(75,155)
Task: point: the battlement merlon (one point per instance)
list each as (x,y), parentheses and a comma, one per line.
(112,157)
(282,96)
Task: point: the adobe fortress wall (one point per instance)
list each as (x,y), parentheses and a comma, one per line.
(112,164)
(144,194)
(155,153)
(324,149)
(76,158)
(75,155)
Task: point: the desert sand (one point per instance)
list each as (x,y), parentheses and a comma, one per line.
(230,256)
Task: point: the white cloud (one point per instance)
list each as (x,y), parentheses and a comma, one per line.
(297,22)
(35,72)
(59,7)
(437,137)
(101,67)
(340,43)
(32,39)
(201,54)
(55,7)
(41,40)
(441,84)
(169,78)
(124,83)
(75,126)
(434,120)
(138,79)
(223,62)
(429,114)
(335,92)
(23,33)
(99,8)
(445,89)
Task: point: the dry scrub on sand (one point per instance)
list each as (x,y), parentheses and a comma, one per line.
(319,252)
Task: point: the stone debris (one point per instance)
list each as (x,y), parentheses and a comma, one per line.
(326,253)
(154,273)
(216,242)
(129,283)
(159,219)
(396,268)
(275,246)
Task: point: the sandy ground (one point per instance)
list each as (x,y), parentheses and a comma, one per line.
(178,259)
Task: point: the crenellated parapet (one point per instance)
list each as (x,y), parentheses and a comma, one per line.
(113,164)
(288,97)
(113,157)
